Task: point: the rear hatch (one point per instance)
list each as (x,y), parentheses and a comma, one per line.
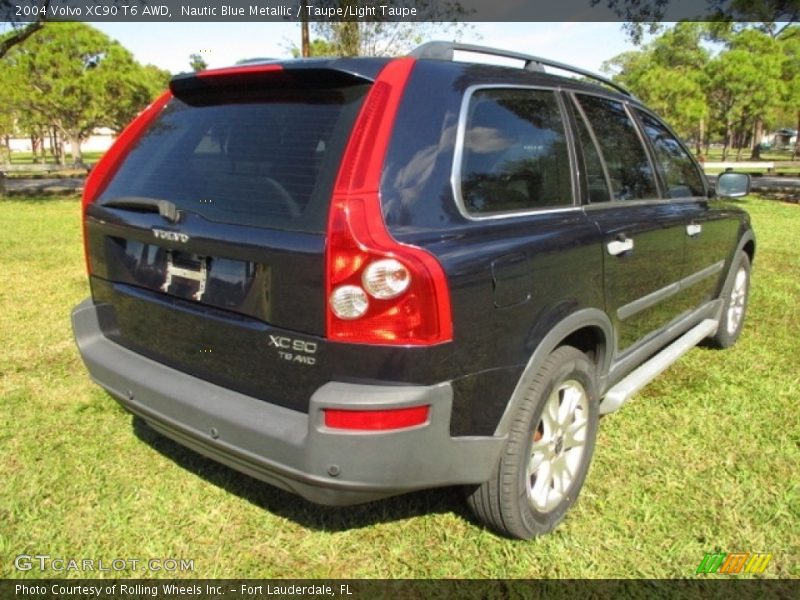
(209,238)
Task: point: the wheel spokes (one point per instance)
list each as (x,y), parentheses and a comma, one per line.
(575,434)
(557,445)
(571,396)
(737,300)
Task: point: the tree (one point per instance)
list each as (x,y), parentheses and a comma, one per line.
(17,35)
(316,48)
(791,75)
(740,90)
(376,35)
(73,78)
(19,31)
(641,18)
(667,75)
(7,119)
(197,63)
(745,87)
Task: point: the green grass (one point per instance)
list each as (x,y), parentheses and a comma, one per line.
(26,158)
(705,458)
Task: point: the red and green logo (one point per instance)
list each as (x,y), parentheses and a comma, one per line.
(734,563)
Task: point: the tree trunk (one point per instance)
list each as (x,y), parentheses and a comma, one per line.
(58,149)
(739,143)
(348,35)
(7,146)
(728,140)
(75,148)
(35,147)
(305,50)
(797,139)
(53,143)
(700,137)
(758,127)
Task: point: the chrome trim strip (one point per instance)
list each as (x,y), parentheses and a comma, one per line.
(653,298)
(702,274)
(645,302)
(645,202)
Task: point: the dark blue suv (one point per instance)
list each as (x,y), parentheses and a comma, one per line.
(356,277)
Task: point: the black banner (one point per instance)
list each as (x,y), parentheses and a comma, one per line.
(385,10)
(707,588)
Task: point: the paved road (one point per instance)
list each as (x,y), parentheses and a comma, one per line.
(772,184)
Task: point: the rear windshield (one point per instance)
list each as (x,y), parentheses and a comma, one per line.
(266,158)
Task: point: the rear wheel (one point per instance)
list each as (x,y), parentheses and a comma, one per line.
(549,449)
(735,295)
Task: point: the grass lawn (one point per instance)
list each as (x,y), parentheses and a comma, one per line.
(26,158)
(704,459)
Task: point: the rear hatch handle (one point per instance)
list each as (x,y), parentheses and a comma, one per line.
(165,208)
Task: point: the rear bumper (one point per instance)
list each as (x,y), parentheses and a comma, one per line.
(291,450)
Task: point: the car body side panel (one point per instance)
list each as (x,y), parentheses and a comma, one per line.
(507,275)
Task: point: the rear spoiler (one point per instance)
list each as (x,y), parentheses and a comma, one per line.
(319,74)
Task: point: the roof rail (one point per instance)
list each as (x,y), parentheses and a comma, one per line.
(445,51)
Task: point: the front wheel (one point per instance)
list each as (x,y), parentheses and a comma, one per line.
(735,295)
(548,453)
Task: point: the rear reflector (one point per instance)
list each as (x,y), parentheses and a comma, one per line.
(377,420)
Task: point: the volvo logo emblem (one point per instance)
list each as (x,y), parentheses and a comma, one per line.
(172,236)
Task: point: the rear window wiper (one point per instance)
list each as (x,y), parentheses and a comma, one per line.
(165,208)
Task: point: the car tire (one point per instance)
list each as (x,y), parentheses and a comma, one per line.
(548,452)
(735,295)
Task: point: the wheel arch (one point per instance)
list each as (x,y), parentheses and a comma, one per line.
(589,330)
(747,244)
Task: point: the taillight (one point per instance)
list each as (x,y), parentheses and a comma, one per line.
(379,290)
(376,420)
(106,167)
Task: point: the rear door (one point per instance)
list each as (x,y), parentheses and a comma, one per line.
(643,235)
(209,240)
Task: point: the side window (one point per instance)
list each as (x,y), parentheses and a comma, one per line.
(515,153)
(594,179)
(629,170)
(677,167)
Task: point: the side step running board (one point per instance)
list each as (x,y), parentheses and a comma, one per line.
(640,377)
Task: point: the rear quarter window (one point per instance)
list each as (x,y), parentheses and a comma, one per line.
(515,155)
(265,158)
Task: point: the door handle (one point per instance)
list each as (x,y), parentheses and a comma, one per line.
(693,229)
(620,245)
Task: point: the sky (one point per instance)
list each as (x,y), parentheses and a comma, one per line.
(168,45)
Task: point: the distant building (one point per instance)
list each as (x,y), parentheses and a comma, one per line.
(780,138)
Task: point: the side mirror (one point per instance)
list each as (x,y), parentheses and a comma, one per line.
(733,185)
